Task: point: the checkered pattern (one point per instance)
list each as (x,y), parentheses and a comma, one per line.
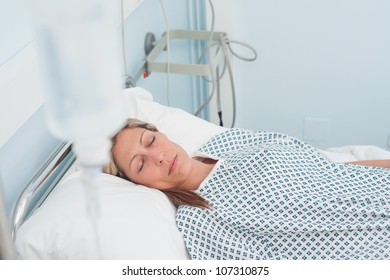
(275,197)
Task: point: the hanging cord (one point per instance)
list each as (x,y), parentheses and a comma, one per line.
(229,44)
(202,59)
(226,46)
(213,79)
(168,52)
(219,110)
(129,80)
(123,41)
(229,67)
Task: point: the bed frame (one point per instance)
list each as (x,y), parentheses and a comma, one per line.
(42,184)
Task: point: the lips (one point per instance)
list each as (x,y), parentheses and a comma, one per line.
(173,164)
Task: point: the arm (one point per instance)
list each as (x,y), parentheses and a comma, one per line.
(384,163)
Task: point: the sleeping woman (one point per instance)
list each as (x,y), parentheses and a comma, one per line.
(261,195)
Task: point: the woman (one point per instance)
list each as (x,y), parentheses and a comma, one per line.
(262,195)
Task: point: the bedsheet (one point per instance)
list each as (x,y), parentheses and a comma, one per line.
(355,153)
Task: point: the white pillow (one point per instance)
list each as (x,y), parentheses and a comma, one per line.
(135,222)
(188,131)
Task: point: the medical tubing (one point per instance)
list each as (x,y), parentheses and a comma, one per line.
(89,176)
(123,40)
(220,118)
(201,108)
(202,58)
(224,48)
(215,77)
(219,110)
(230,42)
(225,43)
(168,52)
(218,91)
(222,44)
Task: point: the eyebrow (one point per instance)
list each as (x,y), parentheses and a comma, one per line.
(140,141)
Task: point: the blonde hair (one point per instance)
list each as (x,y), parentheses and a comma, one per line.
(176,196)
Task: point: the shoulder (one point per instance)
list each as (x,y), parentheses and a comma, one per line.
(239,137)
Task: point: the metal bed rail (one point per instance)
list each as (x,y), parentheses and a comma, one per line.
(42,184)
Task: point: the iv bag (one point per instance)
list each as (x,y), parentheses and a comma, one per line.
(79,46)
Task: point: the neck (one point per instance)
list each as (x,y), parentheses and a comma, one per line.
(201,168)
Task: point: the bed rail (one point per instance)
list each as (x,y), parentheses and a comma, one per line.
(43,183)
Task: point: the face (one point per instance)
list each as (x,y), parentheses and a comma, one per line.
(149,158)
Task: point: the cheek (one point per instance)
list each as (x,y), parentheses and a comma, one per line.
(185,166)
(148,176)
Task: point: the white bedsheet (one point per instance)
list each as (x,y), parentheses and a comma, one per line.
(355,153)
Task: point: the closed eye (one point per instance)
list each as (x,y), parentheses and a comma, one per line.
(152,140)
(141,166)
(148,143)
(142,161)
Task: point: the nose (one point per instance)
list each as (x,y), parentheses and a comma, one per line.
(159,157)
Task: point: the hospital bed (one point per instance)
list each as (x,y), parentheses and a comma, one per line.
(50,220)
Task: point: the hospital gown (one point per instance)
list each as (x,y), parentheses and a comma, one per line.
(276,197)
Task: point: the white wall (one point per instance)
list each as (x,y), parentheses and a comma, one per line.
(323,69)
(15,28)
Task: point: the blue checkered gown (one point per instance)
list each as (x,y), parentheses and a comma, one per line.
(276,197)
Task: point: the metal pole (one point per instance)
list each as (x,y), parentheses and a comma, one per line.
(7,250)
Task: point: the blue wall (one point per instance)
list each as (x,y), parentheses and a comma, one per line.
(322,73)
(28,148)
(149,18)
